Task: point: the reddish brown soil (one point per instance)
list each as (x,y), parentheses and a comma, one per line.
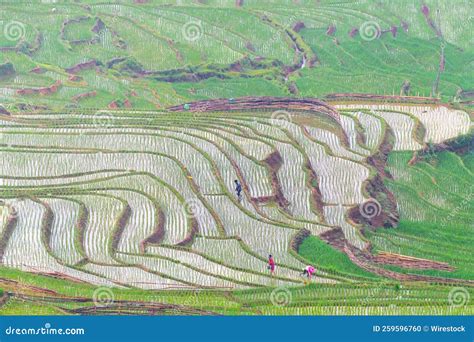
(442,63)
(75,78)
(258,103)
(353,32)
(38,70)
(379,159)
(273,163)
(13,285)
(41,91)
(98,26)
(127,103)
(159,231)
(404,261)
(335,237)
(46,224)
(113,105)
(331,30)
(425,10)
(84,95)
(7,233)
(316,191)
(62,276)
(27,107)
(121,224)
(298,26)
(298,239)
(139,308)
(114,61)
(388,216)
(426,13)
(3,111)
(116,307)
(4,298)
(81,226)
(399,276)
(92,64)
(364,259)
(394,31)
(191,234)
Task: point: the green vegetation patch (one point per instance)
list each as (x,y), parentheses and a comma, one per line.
(436,205)
(320,253)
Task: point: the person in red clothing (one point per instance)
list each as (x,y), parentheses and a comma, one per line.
(271,264)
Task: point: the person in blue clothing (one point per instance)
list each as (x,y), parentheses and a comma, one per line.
(238,189)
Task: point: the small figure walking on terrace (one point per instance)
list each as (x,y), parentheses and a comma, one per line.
(238,189)
(271,264)
(308,271)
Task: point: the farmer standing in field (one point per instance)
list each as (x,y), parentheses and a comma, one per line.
(238,189)
(271,264)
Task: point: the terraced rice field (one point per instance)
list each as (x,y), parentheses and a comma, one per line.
(125,124)
(147,200)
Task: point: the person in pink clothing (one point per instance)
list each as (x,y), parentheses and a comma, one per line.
(271,264)
(308,271)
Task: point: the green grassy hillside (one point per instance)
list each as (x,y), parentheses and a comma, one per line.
(156,54)
(436,203)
